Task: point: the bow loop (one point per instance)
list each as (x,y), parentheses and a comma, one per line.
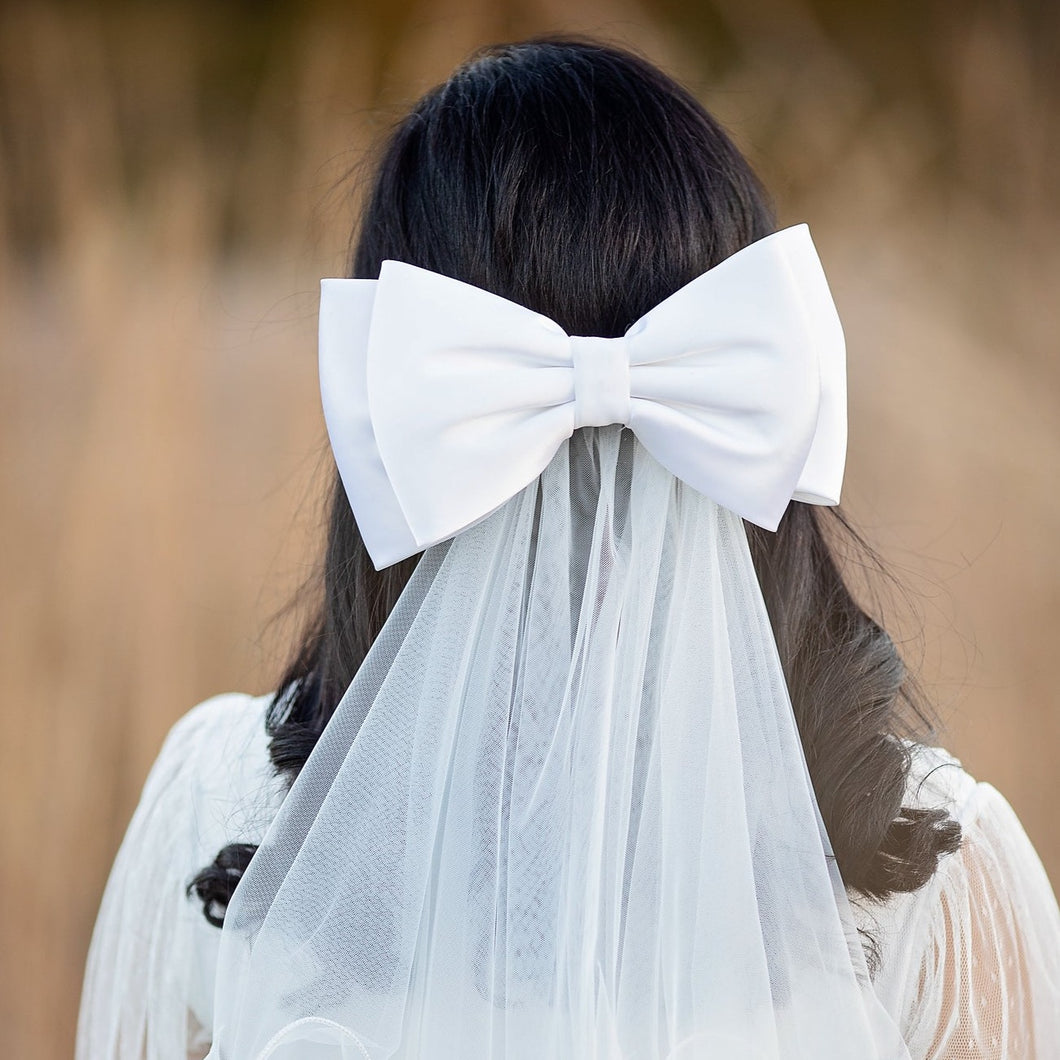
(443,400)
(601,380)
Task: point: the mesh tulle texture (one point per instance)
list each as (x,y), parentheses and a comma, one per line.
(561,812)
(971,963)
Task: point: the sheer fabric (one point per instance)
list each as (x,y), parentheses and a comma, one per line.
(408,883)
(562,811)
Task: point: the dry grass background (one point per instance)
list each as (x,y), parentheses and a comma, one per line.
(168,201)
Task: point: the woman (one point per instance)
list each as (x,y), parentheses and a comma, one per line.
(551,799)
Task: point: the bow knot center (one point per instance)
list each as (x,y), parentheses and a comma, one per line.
(601,381)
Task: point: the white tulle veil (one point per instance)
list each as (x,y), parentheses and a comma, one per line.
(562,811)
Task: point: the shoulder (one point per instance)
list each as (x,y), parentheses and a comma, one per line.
(990,829)
(938,780)
(988,901)
(211,784)
(225,716)
(218,756)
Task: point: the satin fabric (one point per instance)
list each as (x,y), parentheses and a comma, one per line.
(443,401)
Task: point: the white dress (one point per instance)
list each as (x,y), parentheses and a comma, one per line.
(969,965)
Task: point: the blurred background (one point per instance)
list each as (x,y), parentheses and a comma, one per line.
(175,178)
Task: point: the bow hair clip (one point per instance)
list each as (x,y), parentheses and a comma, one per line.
(443,401)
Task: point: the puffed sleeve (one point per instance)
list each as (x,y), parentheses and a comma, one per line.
(981,976)
(148,989)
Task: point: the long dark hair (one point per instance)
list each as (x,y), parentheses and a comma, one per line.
(578,180)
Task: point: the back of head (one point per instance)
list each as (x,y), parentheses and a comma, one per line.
(569,177)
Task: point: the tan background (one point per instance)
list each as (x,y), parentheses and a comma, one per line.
(170,192)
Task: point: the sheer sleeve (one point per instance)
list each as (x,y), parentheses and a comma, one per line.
(987,982)
(148,989)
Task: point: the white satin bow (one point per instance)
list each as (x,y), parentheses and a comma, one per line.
(443,401)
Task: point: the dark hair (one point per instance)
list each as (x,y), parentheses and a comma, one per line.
(578,180)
